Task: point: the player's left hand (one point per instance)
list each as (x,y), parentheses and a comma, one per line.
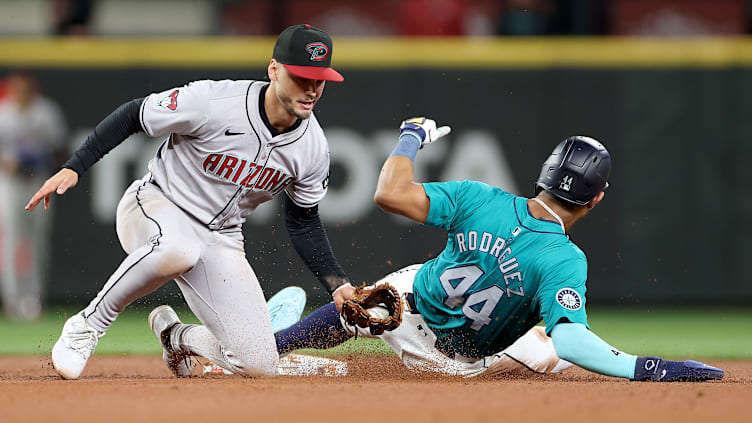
(425,129)
(59,183)
(659,370)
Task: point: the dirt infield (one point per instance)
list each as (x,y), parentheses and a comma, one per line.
(129,388)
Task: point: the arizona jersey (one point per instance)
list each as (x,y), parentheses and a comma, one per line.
(220,160)
(501,272)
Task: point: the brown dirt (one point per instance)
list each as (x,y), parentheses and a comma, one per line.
(133,388)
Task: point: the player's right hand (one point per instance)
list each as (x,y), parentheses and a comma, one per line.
(425,129)
(59,183)
(659,370)
(342,294)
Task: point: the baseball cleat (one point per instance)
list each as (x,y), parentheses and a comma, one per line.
(286,307)
(696,371)
(161,320)
(74,347)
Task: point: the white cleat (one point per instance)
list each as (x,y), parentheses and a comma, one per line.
(74,347)
(286,307)
(161,320)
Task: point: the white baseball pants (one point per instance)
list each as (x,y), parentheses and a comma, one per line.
(211,270)
(414,342)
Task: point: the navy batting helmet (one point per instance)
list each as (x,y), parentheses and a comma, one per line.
(576,171)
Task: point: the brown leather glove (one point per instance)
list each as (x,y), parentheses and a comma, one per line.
(355,310)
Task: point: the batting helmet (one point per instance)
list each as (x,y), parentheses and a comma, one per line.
(576,171)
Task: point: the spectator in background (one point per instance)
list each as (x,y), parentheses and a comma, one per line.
(525,17)
(71,17)
(432,17)
(32,132)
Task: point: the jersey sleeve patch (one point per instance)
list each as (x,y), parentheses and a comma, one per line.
(569,299)
(562,288)
(170,102)
(183,111)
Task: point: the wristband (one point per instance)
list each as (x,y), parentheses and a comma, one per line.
(408,145)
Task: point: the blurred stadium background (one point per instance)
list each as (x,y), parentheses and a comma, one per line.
(664,84)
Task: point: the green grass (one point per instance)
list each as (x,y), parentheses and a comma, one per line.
(717,333)
(720,333)
(130,334)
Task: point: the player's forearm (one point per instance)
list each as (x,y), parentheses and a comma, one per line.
(395,179)
(108,134)
(310,241)
(397,174)
(576,344)
(396,191)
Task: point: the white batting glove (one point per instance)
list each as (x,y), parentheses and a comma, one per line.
(423,128)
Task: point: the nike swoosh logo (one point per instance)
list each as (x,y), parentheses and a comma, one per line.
(229,133)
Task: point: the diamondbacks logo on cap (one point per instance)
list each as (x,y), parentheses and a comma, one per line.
(318,51)
(569,299)
(171,101)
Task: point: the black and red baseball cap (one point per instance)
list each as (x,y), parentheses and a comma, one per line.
(306,52)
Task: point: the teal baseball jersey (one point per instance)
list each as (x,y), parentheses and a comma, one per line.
(501,272)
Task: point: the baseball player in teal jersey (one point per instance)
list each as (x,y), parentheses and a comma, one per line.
(508,264)
(500,274)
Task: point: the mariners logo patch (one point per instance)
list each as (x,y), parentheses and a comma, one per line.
(171,101)
(569,299)
(318,51)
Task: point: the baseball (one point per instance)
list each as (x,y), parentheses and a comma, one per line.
(378,312)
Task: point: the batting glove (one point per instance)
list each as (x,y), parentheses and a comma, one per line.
(424,129)
(659,370)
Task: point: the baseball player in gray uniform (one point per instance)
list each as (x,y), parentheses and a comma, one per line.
(230,146)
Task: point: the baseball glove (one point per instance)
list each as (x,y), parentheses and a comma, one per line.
(361,309)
